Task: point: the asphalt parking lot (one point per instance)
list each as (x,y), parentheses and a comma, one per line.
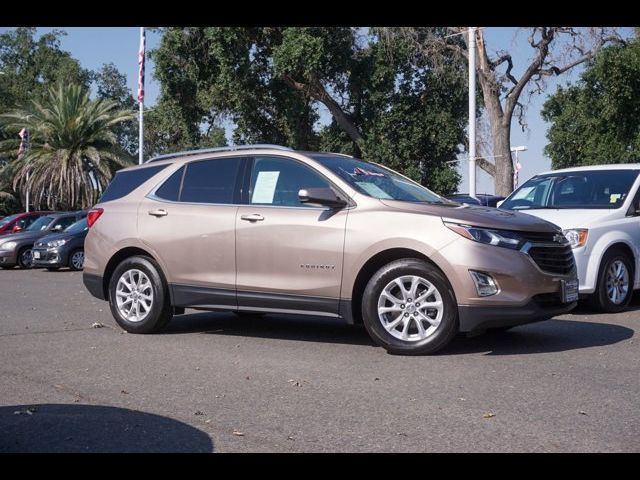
(214,382)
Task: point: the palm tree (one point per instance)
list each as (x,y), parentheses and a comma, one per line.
(73,151)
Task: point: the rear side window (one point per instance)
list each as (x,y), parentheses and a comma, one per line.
(126,182)
(170,189)
(210,181)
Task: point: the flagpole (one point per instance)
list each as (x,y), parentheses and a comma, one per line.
(141,97)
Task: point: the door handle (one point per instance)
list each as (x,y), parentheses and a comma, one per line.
(160,212)
(253,217)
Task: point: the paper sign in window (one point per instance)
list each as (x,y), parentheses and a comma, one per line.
(265,187)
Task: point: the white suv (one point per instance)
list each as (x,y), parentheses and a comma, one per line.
(598,207)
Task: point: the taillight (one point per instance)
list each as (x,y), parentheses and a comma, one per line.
(93,215)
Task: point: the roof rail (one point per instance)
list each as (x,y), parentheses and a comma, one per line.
(217,149)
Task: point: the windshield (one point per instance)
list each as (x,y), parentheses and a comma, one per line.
(8,219)
(595,189)
(39,224)
(78,227)
(378,182)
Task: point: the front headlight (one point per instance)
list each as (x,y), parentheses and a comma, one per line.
(577,236)
(8,246)
(56,243)
(498,238)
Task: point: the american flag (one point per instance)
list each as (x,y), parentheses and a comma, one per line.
(141,67)
(24,140)
(516,169)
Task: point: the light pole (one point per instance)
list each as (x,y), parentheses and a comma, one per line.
(517,167)
(472,112)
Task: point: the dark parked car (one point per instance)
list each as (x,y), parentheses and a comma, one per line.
(15,249)
(19,221)
(482,199)
(64,249)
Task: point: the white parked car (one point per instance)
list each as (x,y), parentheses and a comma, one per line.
(598,208)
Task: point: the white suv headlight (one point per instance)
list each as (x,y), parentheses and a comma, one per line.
(577,236)
(8,246)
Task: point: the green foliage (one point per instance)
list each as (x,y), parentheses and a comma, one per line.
(597,120)
(270,81)
(30,66)
(112,85)
(73,150)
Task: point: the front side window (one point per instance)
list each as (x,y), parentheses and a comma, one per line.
(277,181)
(595,189)
(210,181)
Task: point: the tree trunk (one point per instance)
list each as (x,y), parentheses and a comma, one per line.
(503,180)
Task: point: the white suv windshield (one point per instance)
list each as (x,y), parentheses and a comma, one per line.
(595,189)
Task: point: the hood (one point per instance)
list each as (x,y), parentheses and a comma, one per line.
(478,216)
(24,236)
(61,236)
(570,218)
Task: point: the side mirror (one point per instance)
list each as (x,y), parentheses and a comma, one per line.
(321,196)
(16,229)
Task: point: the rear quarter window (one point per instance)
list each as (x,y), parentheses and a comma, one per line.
(127,181)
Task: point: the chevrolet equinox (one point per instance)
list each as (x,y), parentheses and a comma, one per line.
(265,229)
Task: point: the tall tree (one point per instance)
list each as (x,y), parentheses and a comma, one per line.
(112,85)
(555,50)
(597,120)
(73,150)
(383,102)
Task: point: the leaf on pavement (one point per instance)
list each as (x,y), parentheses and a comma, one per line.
(238,433)
(488,415)
(97,325)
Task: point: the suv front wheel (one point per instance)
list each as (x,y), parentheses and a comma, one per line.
(137,296)
(408,308)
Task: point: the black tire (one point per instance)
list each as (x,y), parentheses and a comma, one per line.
(600,299)
(445,331)
(25,258)
(71,260)
(160,312)
(53,269)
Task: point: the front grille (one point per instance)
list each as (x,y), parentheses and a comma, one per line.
(539,237)
(553,259)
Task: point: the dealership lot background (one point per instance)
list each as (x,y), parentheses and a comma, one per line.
(214,382)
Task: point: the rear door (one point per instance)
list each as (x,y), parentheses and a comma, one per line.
(289,254)
(189,222)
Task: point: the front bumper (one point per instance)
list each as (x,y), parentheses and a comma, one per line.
(8,258)
(477,318)
(48,258)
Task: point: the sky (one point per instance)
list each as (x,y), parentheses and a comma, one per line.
(95,46)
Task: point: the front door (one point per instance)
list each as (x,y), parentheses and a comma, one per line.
(189,222)
(289,255)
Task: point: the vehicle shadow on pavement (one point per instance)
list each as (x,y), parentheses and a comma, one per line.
(554,335)
(584,308)
(283,327)
(94,428)
(542,337)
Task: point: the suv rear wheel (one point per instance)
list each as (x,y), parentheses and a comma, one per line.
(615,283)
(138,297)
(408,308)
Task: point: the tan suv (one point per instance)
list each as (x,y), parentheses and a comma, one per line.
(265,229)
